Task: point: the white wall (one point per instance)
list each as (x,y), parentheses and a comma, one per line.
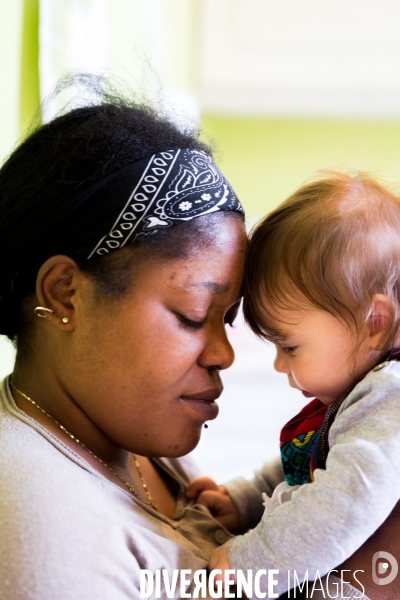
(147,44)
(301,57)
(261,57)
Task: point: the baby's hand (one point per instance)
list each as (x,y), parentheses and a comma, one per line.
(217,500)
(219,560)
(199,485)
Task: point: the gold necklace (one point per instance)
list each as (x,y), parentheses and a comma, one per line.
(151,501)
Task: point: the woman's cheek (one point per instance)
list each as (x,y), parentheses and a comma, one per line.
(189,343)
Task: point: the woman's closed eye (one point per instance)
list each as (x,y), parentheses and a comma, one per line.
(189,323)
(229,319)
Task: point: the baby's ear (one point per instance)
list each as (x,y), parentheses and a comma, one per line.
(379,319)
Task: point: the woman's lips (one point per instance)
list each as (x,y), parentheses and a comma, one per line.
(207,395)
(203,403)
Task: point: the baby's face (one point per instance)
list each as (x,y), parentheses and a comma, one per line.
(317,352)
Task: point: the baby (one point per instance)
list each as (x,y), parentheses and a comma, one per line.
(323,284)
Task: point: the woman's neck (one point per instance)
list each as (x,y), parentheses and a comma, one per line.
(113,462)
(42,386)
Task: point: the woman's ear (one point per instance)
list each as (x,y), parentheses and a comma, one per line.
(55,288)
(379,319)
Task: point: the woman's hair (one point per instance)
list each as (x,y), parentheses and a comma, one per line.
(333,244)
(62,159)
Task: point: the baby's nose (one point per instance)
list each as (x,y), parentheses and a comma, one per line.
(280,363)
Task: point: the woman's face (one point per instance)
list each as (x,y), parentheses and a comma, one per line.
(145,369)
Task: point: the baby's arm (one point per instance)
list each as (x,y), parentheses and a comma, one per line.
(237,504)
(326,521)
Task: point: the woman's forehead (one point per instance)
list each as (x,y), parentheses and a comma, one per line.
(206,279)
(206,273)
(211,286)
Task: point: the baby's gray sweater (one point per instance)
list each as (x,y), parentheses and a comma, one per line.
(326,521)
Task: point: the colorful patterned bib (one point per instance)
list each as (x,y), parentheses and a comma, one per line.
(304,439)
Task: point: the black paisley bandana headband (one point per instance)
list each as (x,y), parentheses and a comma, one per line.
(136,201)
(171,186)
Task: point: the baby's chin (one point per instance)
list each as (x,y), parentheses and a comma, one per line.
(324,399)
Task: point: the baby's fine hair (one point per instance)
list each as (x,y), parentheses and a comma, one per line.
(333,244)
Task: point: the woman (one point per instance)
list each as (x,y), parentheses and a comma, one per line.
(122,251)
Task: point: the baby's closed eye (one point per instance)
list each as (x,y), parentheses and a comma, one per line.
(288,349)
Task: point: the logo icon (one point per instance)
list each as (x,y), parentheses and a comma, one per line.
(380,566)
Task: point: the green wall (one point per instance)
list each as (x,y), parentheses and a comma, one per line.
(29,75)
(19,74)
(267,159)
(10,60)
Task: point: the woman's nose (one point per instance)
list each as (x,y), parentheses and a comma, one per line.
(218,352)
(280,363)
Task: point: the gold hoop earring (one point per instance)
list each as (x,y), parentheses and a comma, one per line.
(40,309)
